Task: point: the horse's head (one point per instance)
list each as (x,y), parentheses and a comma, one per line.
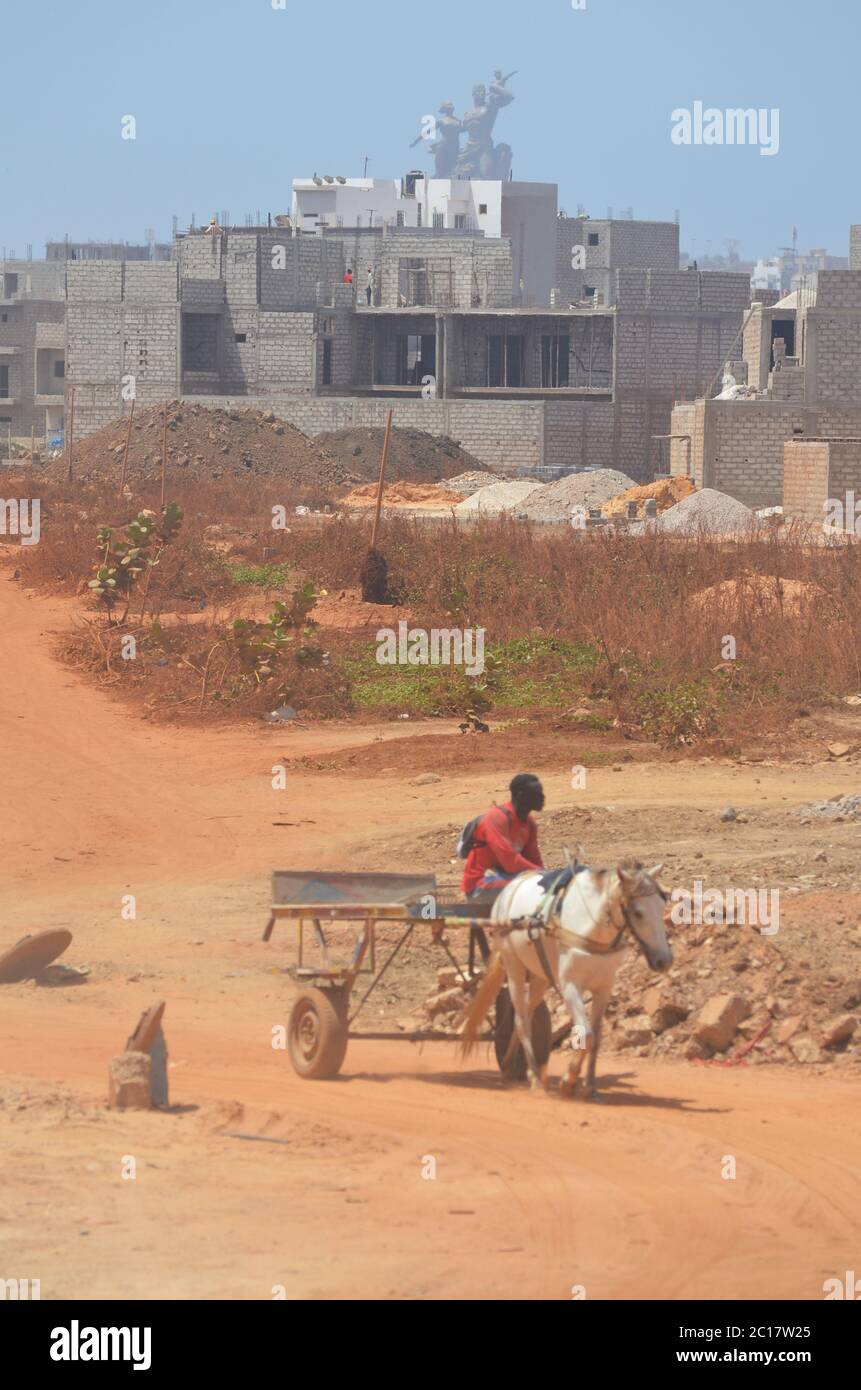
(639,899)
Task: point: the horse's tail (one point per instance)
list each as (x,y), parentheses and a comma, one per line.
(485,996)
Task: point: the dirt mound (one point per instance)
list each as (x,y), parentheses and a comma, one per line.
(665,491)
(410,495)
(757,591)
(414,456)
(207,443)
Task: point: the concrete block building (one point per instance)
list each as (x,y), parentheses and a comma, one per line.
(589,251)
(265,316)
(804,358)
(32,349)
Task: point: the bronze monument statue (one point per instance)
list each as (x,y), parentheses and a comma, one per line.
(479,158)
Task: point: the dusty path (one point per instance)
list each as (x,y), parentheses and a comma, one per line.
(530,1198)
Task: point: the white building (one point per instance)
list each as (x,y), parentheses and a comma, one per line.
(524,212)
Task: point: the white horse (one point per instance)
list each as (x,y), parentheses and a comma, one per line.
(580,949)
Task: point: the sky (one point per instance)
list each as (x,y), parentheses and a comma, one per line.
(232,99)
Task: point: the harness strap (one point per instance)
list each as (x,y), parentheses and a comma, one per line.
(536,931)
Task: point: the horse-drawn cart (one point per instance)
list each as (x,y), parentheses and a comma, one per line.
(323,1016)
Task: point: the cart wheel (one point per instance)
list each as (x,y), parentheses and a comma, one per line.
(542,1036)
(317,1034)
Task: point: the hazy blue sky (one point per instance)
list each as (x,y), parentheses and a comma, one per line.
(233,99)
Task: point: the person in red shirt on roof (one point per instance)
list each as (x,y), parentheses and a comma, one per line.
(505,842)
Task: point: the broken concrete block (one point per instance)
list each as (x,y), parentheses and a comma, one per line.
(806,1049)
(130,1081)
(668,1014)
(636,1032)
(788,1028)
(838,1031)
(719,1019)
(444,1003)
(448,978)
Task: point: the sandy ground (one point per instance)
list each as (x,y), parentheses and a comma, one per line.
(328,1198)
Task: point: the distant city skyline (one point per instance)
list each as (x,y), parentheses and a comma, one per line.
(230,100)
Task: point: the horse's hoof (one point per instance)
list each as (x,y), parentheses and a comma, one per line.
(593,1093)
(567,1088)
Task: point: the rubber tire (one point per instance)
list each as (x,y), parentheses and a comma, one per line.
(542,1036)
(322,1011)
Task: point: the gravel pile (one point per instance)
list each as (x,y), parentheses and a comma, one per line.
(498,497)
(553,501)
(468,483)
(847,807)
(707,510)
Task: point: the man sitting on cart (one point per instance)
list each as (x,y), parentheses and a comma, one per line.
(505,840)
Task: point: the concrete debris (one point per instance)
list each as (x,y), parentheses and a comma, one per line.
(130,1081)
(471,481)
(666,492)
(719,1020)
(845,807)
(707,510)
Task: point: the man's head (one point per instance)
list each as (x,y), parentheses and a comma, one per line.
(479,94)
(527,794)
(447,108)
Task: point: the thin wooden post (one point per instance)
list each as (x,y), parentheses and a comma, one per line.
(70,433)
(126,454)
(163,450)
(381,483)
(32,443)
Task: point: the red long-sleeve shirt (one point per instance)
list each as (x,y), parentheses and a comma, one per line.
(502,841)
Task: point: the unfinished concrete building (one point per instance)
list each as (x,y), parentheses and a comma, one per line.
(32,349)
(589,251)
(266,317)
(812,394)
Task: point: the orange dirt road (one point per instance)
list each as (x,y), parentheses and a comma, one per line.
(410,1176)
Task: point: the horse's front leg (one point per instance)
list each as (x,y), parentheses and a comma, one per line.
(581,1035)
(600,1001)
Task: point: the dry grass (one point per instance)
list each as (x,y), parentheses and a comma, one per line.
(641,649)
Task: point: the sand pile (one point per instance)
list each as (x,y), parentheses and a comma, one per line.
(468,483)
(497,498)
(414,456)
(665,491)
(707,510)
(757,591)
(410,495)
(554,501)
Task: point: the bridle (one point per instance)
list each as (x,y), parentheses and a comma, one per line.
(603,948)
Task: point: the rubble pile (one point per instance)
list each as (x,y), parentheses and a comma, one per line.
(471,481)
(733,995)
(837,808)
